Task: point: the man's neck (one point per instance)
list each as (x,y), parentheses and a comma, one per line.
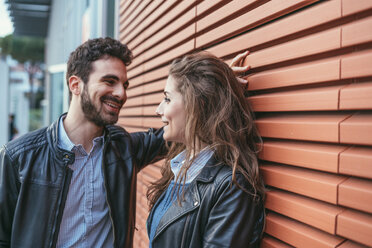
(80,130)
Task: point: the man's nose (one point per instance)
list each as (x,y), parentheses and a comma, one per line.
(119,92)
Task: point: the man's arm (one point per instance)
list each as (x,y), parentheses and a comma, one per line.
(148,147)
(9,185)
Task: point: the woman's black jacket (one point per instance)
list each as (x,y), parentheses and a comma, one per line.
(215,213)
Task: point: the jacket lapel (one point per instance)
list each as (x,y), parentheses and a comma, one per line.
(191,202)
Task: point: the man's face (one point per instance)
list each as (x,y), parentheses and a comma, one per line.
(105,93)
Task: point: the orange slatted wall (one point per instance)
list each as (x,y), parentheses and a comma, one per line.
(311,89)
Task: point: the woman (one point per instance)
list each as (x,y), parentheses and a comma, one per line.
(211,193)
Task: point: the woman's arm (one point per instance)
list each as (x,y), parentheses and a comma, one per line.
(236,219)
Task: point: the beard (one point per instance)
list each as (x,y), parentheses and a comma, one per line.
(95,115)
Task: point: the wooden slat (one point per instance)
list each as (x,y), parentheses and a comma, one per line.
(165,58)
(154,122)
(357,65)
(156,74)
(128,12)
(137,22)
(356,226)
(134,71)
(312,127)
(154,98)
(270,242)
(320,215)
(133,122)
(152,171)
(357,32)
(133,91)
(133,101)
(159,24)
(297,234)
(316,156)
(350,244)
(356,96)
(301,74)
(310,183)
(157,39)
(255,17)
(296,22)
(356,193)
(227,10)
(352,7)
(326,98)
(134,15)
(308,45)
(155,86)
(136,81)
(357,129)
(357,161)
(124,5)
(164,46)
(133,38)
(205,6)
(132,111)
(150,110)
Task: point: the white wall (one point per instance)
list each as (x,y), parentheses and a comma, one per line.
(4,92)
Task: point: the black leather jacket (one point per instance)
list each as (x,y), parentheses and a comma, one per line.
(34,181)
(215,213)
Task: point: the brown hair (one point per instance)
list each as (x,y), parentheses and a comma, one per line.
(217,115)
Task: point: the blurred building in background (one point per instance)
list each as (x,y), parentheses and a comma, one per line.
(4,85)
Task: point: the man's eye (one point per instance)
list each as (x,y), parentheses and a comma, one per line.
(110,81)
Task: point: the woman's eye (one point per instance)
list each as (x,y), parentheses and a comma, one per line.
(166,99)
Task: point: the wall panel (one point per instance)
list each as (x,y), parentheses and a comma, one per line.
(310,86)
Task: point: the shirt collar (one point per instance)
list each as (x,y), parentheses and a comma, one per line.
(200,161)
(64,141)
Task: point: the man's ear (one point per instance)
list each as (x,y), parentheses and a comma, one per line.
(75,84)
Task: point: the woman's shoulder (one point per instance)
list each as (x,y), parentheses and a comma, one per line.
(225,177)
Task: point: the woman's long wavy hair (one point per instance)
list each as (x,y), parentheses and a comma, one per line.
(218,116)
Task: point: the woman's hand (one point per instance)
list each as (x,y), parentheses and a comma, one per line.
(237,66)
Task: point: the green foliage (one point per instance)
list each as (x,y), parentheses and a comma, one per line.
(23,48)
(36,119)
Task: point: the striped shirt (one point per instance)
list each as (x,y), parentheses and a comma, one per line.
(194,170)
(86,221)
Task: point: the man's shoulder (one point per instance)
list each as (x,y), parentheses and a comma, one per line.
(116,131)
(27,141)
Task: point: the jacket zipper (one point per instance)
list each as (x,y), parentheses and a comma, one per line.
(61,204)
(105,186)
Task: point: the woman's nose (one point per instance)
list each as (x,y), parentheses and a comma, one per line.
(159,109)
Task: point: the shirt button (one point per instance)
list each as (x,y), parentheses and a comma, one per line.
(196,203)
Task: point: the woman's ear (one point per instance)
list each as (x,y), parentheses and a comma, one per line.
(75,84)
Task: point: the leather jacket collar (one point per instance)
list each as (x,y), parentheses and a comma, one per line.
(67,157)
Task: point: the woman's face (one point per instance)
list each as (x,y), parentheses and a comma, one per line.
(172,113)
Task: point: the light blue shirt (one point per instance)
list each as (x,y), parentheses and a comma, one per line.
(194,170)
(86,221)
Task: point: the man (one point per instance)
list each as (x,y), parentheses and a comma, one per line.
(73,184)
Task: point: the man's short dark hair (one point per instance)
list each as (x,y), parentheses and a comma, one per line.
(80,60)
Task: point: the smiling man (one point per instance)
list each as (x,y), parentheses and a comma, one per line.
(73,184)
